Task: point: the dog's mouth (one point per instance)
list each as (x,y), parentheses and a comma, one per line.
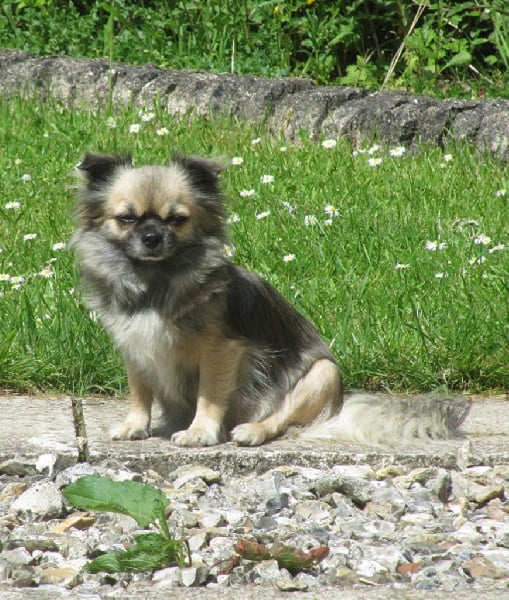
(149,256)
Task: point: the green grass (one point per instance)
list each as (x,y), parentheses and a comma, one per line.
(390,328)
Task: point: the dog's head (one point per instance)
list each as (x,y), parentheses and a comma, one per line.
(151,211)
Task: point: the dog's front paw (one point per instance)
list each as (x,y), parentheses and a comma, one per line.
(195,437)
(249,434)
(131,429)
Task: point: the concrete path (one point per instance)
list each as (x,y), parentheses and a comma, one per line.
(32,426)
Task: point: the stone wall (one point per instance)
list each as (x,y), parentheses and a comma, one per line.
(288,106)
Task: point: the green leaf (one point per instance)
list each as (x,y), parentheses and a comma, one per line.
(458,60)
(151,551)
(144,503)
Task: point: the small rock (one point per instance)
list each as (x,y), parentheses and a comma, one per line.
(266,523)
(359,490)
(65,576)
(343,576)
(421,475)
(49,464)
(389,472)
(43,501)
(17,467)
(184,519)
(440,485)
(481,494)
(17,557)
(197,542)
(12,491)
(466,457)
(41,544)
(495,510)
(76,521)
(187,473)
(286,584)
(482,567)
(166,577)
(212,519)
(276,504)
(25,577)
(76,471)
(266,572)
(193,576)
(317,512)
(369,568)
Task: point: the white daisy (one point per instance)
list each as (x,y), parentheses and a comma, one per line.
(482,240)
(397,151)
(267,179)
(435,245)
(329,144)
(47,272)
(234,218)
(331,210)
(229,250)
(146,117)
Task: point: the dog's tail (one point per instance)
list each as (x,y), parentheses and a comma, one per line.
(372,419)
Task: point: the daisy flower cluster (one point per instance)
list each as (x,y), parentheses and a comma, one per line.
(267,181)
(376,154)
(145,116)
(481,240)
(14,281)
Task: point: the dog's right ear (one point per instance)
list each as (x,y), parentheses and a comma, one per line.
(99,168)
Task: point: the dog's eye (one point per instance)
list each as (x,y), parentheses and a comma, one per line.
(177,219)
(126,219)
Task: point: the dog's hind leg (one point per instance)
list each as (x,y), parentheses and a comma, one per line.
(317,394)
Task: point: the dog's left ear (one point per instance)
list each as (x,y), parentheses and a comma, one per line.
(99,168)
(203,172)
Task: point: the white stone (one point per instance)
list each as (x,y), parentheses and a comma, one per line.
(42,502)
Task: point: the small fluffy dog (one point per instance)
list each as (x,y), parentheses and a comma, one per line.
(221,350)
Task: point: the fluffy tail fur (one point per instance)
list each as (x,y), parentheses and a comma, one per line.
(371,419)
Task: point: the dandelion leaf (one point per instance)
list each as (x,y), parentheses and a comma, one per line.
(152,551)
(144,503)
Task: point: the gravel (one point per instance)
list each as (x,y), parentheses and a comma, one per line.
(395,528)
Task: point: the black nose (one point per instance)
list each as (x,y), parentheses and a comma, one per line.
(151,239)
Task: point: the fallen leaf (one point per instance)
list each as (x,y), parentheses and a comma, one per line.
(409,567)
(287,557)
